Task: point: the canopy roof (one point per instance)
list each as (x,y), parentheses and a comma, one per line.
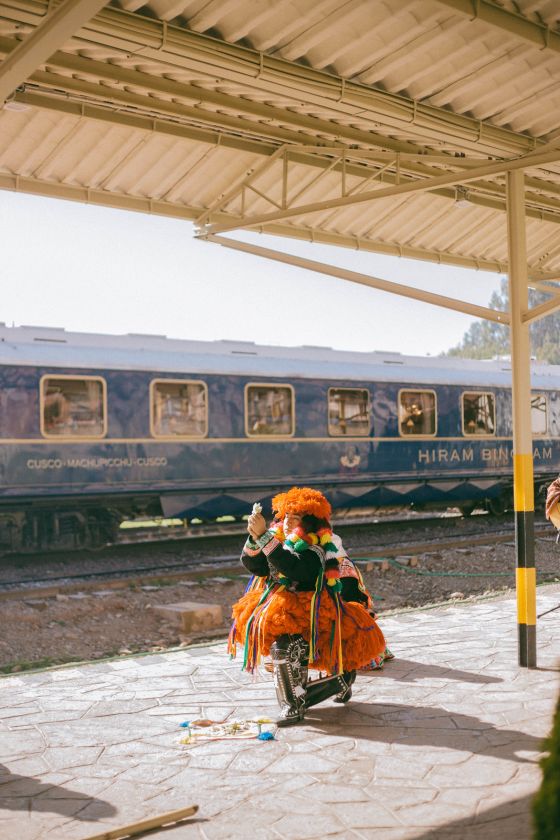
(356,123)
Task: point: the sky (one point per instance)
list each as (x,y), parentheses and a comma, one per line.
(95,269)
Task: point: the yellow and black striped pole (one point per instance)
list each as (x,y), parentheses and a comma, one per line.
(523,486)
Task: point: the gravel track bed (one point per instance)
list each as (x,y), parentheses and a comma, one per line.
(96,623)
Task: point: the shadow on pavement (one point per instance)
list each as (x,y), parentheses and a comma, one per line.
(429,726)
(429,672)
(510,819)
(22,793)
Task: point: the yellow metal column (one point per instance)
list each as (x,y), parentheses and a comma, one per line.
(522,435)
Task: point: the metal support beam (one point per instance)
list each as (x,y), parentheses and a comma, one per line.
(134,118)
(522,436)
(388,157)
(103,198)
(541,311)
(544,276)
(508,21)
(44,41)
(363,279)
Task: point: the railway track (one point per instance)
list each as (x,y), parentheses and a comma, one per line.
(164,533)
(119,578)
(138,535)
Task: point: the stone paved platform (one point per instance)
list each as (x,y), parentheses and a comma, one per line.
(443,743)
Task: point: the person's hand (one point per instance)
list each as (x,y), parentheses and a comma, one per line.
(256,525)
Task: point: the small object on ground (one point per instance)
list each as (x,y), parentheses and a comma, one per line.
(204,730)
(207,722)
(141,826)
(456,596)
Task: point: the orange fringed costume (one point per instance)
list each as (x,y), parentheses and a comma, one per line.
(289,612)
(298,589)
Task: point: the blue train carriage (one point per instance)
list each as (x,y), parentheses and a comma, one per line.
(95,429)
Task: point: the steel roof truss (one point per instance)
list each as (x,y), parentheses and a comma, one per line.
(418,185)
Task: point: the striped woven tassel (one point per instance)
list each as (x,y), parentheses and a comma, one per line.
(314,619)
(231,645)
(254,584)
(338,635)
(253,635)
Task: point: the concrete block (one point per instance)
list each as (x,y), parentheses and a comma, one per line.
(191,615)
(407,559)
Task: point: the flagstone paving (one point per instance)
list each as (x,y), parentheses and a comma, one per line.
(443,743)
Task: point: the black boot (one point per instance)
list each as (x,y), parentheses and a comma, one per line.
(339,685)
(344,696)
(289,660)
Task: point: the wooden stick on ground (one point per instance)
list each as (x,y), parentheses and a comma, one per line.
(145,825)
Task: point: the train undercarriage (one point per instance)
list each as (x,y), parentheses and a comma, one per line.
(33,527)
(46,528)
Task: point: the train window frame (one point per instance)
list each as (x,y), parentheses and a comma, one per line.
(543,394)
(72,377)
(167,437)
(275,435)
(417,391)
(462,410)
(369,413)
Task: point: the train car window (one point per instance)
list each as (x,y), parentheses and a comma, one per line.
(73,407)
(179,408)
(539,414)
(349,411)
(479,414)
(269,410)
(417,413)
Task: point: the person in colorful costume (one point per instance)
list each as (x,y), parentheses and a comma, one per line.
(305,605)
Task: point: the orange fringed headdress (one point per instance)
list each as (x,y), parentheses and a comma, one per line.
(301,501)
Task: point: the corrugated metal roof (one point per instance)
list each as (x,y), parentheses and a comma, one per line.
(166,106)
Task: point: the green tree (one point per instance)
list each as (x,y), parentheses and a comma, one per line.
(486,339)
(546,804)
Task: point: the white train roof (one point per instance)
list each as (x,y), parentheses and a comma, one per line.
(56,348)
